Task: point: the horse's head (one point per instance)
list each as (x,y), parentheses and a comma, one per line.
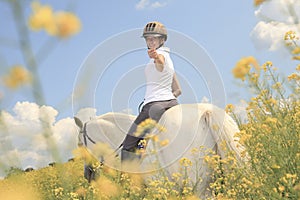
(82,130)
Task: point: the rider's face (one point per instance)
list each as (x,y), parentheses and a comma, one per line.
(153,42)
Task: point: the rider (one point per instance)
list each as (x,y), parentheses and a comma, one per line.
(162,86)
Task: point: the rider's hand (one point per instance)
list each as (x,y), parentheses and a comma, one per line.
(152,53)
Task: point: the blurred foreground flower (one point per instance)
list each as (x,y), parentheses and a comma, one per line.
(290,38)
(17,77)
(243,67)
(42,18)
(258,2)
(147,126)
(67,24)
(62,24)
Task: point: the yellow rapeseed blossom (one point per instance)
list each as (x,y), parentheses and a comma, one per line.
(253,77)
(148,125)
(275,166)
(107,189)
(296,50)
(42,18)
(243,67)
(67,24)
(195,150)
(86,155)
(176,176)
(62,24)
(290,35)
(185,162)
(277,85)
(258,2)
(296,57)
(229,108)
(19,190)
(272,120)
(164,143)
(266,65)
(281,188)
(271,101)
(17,76)
(293,76)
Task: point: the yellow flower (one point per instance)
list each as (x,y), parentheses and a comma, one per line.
(296,50)
(142,143)
(296,57)
(61,24)
(243,66)
(185,162)
(164,142)
(294,76)
(67,24)
(58,191)
(244,136)
(290,35)
(291,175)
(195,150)
(298,67)
(42,18)
(161,128)
(271,101)
(229,108)
(155,138)
(274,166)
(271,120)
(276,85)
(258,2)
(86,155)
(266,65)
(281,188)
(253,77)
(106,187)
(16,77)
(81,192)
(267,129)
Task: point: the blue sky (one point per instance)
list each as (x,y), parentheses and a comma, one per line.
(222,28)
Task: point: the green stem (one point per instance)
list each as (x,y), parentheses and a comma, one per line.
(26,50)
(286,105)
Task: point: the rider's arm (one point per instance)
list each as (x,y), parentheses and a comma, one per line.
(159,62)
(159,59)
(176,89)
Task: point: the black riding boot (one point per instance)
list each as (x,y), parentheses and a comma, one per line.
(130,145)
(89,173)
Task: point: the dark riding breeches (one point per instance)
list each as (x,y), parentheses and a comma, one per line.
(153,110)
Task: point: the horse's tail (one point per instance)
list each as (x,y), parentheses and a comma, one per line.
(223,129)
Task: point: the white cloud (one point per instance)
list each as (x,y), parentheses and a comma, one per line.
(158,4)
(270,36)
(276,18)
(144,4)
(23,142)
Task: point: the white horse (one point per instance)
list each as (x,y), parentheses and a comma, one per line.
(188,126)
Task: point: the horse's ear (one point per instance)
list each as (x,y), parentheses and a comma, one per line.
(78,122)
